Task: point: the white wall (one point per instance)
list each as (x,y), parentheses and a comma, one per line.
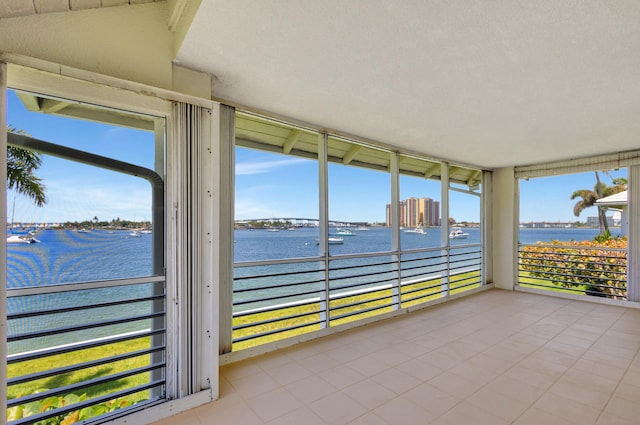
(128,42)
(504,229)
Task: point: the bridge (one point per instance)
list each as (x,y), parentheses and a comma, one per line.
(300,221)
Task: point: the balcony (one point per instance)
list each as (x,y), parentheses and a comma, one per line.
(495,357)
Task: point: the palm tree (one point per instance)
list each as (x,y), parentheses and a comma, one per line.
(588,199)
(21,165)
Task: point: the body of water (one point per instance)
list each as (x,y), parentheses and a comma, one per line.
(64,256)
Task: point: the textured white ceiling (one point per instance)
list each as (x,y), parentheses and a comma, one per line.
(489,83)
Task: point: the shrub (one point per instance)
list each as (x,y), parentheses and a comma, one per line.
(598,265)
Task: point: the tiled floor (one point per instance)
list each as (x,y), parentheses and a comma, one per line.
(497,357)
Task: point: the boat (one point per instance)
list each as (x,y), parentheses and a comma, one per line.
(332,240)
(273,229)
(457,233)
(417,231)
(345,232)
(361,229)
(21,239)
(146,232)
(135,234)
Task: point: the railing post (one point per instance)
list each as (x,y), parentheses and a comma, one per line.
(444,225)
(396,286)
(323,228)
(633,238)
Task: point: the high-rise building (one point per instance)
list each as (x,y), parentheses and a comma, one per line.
(416,211)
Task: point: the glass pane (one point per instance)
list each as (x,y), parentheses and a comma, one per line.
(420,212)
(276,206)
(358,197)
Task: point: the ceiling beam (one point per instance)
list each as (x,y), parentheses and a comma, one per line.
(291,141)
(348,157)
(472,178)
(51,106)
(431,170)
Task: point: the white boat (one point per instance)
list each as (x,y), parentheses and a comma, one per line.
(21,239)
(457,233)
(273,229)
(417,231)
(146,232)
(345,232)
(361,229)
(332,240)
(135,234)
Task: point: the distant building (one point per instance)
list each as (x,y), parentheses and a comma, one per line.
(595,221)
(416,211)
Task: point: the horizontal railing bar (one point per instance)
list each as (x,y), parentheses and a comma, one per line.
(420,250)
(363,255)
(549,256)
(359,266)
(355,276)
(83,307)
(430,272)
(414,290)
(274,320)
(574,275)
(286,273)
(82,286)
(443,263)
(357,285)
(70,389)
(38,334)
(367,310)
(298,294)
(536,262)
(91,402)
(285,285)
(581,291)
(464,246)
(437,254)
(343,306)
(302,303)
(17,358)
(573,247)
(597,285)
(452,286)
(274,262)
(277,331)
(565,271)
(523,264)
(79,366)
(464,279)
(419,297)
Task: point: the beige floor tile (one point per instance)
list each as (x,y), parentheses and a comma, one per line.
(496,357)
(273,404)
(337,409)
(431,399)
(396,380)
(608,418)
(401,411)
(535,416)
(301,415)
(369,393)
(253,385)
(623,408)
(567,409)
(310,389)
(288,373)
(454,385)
(468,413)
(500,405)
(342,376)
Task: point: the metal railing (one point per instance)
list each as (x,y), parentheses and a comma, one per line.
(78,352)
(277,299)
(579,268)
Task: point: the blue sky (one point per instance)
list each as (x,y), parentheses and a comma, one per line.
(267,185)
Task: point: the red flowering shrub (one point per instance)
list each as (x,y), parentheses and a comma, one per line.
(601,267)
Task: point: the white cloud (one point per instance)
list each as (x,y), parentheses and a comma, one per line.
(246,168)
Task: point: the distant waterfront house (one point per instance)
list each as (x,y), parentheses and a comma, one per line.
(619,202)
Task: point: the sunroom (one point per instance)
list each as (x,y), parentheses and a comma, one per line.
(305,212)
